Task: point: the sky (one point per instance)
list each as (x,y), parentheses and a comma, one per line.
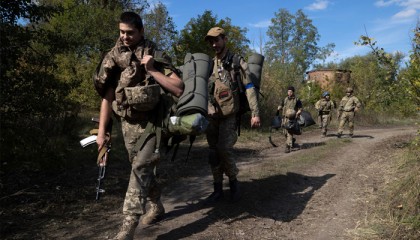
(342,22)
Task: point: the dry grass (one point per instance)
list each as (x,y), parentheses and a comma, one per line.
(395,212)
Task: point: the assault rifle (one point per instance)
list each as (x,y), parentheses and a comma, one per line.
(102,155)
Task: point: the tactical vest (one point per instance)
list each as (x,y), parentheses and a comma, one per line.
(135,91)
(348,104)
(290,104)
(224,87)
(325,106)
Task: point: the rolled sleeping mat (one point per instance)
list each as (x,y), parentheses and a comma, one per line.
(195,73)
(255,64)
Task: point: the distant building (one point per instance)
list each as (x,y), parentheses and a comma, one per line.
(327,77)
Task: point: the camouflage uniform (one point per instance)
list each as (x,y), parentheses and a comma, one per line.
(119,69)
(288,103)
(324,108)
(347,112)
(222,130)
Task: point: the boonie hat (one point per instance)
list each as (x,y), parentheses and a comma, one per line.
(214,32)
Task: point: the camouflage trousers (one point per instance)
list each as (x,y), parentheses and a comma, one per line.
(324,122)
(346,117)
(287,134)
(221,137)
(142,184)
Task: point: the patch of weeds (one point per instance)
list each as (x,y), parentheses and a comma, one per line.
(396,212)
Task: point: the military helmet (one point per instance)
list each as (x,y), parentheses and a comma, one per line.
(349,90)
(326,93)
(290,113)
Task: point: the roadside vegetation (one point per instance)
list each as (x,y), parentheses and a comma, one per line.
(50,49)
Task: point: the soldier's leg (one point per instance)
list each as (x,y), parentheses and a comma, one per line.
(343,120)
(212,134)
(324,125)
(133,205)
(320,120)
(289,142)
(227,139)
(351,123)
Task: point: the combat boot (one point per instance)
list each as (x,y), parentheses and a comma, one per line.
(293,142)
(287,150)
(155,213)
(235,193)
(127,229)
(216,195)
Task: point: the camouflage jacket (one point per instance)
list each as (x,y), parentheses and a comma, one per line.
(224,73)
(290,103)
(120,68)
(349,104)
(324,106)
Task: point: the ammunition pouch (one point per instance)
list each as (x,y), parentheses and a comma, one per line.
(142,98)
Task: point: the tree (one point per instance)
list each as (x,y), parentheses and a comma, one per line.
(293,38)
(160,28)
(293,45)
(191,38)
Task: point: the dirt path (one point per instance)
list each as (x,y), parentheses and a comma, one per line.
(319,192)
(315,199)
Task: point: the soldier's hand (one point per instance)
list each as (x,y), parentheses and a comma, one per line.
(255,122)
(101,140)
(148,62)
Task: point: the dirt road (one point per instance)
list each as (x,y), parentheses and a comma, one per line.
(321,191)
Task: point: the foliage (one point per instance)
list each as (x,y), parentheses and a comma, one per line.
(291,49)
(160,28)
(378,80)
(293,39)
(411,75)
(191,38)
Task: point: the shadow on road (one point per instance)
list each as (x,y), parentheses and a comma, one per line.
(279,198)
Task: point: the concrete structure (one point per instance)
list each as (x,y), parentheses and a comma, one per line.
(327,77)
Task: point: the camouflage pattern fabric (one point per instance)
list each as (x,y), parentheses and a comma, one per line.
(348,104)
(347,108)
(119,69)
(224,77)
(346,117)
(142,183)
(221,137)
(324,108)
(293,103)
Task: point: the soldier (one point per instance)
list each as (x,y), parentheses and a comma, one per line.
(223,108)
(324,106)
(132,60)
(349,105)
(291,108)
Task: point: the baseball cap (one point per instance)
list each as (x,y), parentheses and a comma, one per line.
(214,32)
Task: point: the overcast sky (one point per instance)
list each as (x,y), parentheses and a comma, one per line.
(342,22)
